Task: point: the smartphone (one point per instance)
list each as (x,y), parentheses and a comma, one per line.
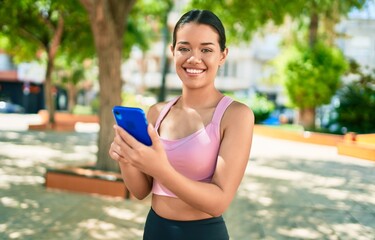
(134,121)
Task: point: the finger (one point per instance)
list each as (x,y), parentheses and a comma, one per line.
(118,140)
(115,149)
(113,153)
(128,139)
(121,147)
(116,154)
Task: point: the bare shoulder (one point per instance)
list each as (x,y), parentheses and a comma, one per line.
(154,112)
(238,112)
(237,125)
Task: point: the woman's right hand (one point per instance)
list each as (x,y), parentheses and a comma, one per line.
(115,150)
(151,160)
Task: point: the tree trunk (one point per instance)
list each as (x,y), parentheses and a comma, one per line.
(51,49)
(307,115)
(108,19)
(72,95)
(313,28)
(307,118)
(50,103)
(165,62)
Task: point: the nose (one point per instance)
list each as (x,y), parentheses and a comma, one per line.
(194,59)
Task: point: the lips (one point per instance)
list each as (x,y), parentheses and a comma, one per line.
(194,71)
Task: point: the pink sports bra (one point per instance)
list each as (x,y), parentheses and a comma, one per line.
(193,156)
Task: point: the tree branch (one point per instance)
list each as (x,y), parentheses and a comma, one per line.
(27,34)
(46,21)
(87,4)
(56,39)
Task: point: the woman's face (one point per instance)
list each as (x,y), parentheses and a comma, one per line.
(197,54)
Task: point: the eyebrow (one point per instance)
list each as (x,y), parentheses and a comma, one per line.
(187,43)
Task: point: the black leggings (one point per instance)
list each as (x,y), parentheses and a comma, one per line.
(158,228)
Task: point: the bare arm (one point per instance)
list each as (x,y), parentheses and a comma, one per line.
(138,183)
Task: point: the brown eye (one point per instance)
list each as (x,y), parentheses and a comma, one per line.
(182,49)
(206,50)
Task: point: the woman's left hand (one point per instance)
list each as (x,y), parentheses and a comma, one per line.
(152,160)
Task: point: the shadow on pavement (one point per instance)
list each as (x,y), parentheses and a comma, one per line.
(290,191)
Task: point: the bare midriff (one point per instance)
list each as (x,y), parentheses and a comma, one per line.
(176,209)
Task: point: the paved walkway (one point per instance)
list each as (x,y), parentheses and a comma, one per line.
(290,191)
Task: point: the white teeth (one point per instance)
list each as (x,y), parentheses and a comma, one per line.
(194,71)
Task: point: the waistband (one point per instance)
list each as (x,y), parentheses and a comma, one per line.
(188,222)
(157,227)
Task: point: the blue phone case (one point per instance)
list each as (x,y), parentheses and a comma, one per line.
(134,121)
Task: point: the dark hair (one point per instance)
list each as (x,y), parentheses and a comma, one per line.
(202,17)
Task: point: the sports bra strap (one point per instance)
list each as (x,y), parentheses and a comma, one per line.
(220,109)
(216,119)
(164,111)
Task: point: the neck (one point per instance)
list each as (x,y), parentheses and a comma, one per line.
(200,99)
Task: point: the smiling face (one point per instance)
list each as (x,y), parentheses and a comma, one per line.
(197,54)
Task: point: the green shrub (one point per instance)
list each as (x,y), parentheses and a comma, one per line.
(82,110)
(356,111)
(259,104)
(312,75)
(261,107)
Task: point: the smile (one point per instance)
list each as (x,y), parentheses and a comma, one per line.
(194,71)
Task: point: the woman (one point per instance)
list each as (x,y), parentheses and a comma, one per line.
(200,144)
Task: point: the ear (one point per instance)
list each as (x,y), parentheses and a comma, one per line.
(223,57)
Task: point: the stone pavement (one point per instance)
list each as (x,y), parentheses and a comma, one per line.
(290,191)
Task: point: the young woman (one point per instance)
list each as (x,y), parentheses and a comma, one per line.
(200,143)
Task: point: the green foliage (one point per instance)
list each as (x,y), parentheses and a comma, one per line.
(145,23)
(311,75)
(242,18)
(95,105)
(261,107)
(356,111)
(28,27)
(68,71)
(93,108)
(83,110)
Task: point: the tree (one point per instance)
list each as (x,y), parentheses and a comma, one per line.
(109,19)
(314,76)
(245,17)
(311,76)
(151,18)
(69,78)
(28,26)
(165,62)
(31,27)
